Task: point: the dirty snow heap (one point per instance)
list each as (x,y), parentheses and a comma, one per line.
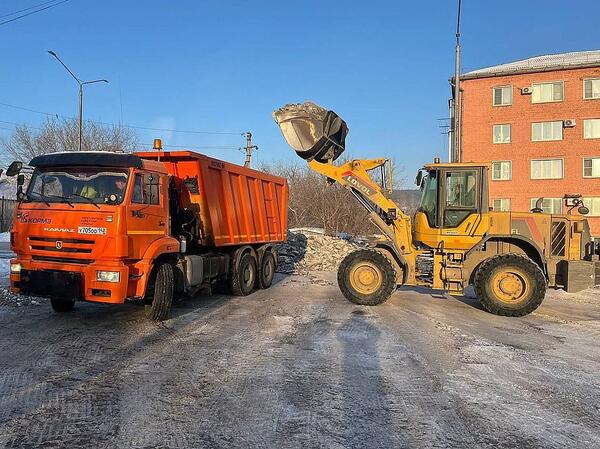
(307,250)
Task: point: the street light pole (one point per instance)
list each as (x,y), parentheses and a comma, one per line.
(81,84)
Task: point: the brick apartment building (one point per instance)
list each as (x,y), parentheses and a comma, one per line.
(538,122)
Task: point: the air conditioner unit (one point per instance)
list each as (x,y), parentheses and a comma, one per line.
(569,123)
(526,90)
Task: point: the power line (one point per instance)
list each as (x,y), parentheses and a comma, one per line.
(32,12)
(145,128)
(27,9)
(18,124)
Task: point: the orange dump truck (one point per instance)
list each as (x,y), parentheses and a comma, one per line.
(106,227)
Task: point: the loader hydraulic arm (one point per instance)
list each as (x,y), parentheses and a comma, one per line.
(383,212)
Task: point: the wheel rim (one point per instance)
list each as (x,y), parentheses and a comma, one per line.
(267,269)
(511,285)
(248,275)
(366,278)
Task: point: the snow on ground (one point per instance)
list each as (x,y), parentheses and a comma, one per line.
(4,236)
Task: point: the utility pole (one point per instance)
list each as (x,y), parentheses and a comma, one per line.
(81,84)
(456,153)
(249,149)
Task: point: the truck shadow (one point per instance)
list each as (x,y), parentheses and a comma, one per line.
(211,299)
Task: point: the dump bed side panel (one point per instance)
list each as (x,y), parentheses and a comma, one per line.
(244,206)
(237,205)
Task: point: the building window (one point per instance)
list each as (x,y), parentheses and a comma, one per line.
(502,133)
(593,204)
(502,96)
(591,167)
(549,205)
(501,204)
(547,92)
(591,89)
(501,170)
(547,131)
(591,128)
(547,169)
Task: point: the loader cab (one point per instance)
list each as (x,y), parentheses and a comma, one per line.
(454,205)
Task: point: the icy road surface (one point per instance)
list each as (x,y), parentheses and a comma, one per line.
(297,366)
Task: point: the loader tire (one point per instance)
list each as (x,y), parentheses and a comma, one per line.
(267,270)
(159,293)
(510,285)
(242,277)
(366,277)
(62,305)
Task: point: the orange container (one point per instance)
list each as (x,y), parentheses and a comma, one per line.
(236,205)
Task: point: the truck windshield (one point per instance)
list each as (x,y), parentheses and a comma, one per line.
(429,197)
(78,185)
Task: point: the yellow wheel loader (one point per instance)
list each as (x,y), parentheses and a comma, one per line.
(455,241)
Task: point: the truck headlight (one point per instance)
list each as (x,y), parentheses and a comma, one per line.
(108,276)
(15,267)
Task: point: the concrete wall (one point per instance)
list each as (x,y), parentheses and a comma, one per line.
(479,116)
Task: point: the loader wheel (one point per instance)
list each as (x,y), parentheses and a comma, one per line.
(366,277)
(61,305)
(510,285)
(267,270)
(243,276)
(160,293)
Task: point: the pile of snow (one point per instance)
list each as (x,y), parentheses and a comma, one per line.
(4,236)
(307,250)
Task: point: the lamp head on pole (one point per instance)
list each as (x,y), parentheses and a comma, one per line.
(157,145)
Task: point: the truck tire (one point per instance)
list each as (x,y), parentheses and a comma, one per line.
(366,277)
(160,293)
(510,285)
(267,270)
(61,305)
(242,276)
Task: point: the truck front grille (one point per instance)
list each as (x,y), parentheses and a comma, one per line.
(55,249)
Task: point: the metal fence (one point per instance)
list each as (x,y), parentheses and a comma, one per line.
(7,208)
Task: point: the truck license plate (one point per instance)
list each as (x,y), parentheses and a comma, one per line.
(91,230)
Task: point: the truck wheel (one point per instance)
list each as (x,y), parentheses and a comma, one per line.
(243,275)
(160,292)
(510,285)
(267,270)
(366,277)
(61,305)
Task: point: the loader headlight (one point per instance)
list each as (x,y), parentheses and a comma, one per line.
(108,276)
(15,267)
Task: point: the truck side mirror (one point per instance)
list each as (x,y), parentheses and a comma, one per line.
(14,168)
(20,182)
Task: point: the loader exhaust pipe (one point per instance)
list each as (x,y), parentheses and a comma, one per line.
(312,131)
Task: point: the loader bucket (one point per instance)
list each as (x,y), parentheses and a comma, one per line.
(314,132)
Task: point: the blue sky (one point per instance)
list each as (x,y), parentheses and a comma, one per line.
(225,65)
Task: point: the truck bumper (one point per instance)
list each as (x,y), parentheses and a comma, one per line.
(69,281)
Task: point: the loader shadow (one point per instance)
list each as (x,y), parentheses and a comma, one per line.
(468,298)
(366,414)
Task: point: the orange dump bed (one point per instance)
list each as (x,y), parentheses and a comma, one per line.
(237,205)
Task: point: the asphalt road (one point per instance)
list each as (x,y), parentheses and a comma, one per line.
(297,366)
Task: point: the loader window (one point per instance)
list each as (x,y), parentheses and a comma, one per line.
(460,197)
(429,198)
